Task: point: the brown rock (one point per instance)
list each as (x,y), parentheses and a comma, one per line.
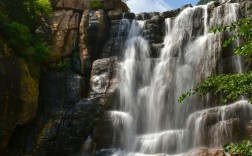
(64,24)
(115,5)
(206,152)
(68,4)
(93,32)
(114,15)
(249,128)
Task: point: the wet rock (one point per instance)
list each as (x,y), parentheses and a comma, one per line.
(60,89)
(64,119)
(75,127)
(129,15)
(114,45)
(104,77)
(156,50)
(93,33)
(104,133)
(233,64)
(153,29)
(220,124)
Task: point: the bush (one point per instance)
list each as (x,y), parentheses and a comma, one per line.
(243,149)
(95,4)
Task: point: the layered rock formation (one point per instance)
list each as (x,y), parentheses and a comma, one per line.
(62,118)
(67,114)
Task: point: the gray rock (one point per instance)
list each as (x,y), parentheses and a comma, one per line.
(104,77)
(170,13)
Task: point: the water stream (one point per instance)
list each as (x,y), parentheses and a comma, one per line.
(149,120)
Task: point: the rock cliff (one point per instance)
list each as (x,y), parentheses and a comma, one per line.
(65,111)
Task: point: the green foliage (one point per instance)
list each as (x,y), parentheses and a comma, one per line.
(242,29)
(230,86)
(63,65)
(17,28)
(40,52)
(243,149)
(201,2)
(95,4)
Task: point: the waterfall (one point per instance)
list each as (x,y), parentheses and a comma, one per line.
(148,120)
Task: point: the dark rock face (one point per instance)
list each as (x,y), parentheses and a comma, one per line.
(170,13)
(59,91)
(153,29)
(65,121)
(18,97)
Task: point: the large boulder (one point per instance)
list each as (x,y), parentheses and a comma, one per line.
(115,5)
(104,76)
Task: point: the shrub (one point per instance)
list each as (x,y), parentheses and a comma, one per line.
(242,149)
(95,4)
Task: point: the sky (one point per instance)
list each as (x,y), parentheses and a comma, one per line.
(138,6)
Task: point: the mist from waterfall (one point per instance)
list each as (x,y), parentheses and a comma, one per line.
(148,120)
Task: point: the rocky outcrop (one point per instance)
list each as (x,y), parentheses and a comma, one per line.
(65,25)
(104,78)
(104,82)
(93,32)
(18,96)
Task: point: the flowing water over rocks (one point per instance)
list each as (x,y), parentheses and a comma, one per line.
(112,85)
(148,120)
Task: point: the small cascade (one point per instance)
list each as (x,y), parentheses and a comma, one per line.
(216,123)
(148,120)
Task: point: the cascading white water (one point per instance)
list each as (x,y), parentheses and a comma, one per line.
(148,119)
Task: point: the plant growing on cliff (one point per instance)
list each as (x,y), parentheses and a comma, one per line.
(242,149)
(230,86)
(95,5)
(18,28)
